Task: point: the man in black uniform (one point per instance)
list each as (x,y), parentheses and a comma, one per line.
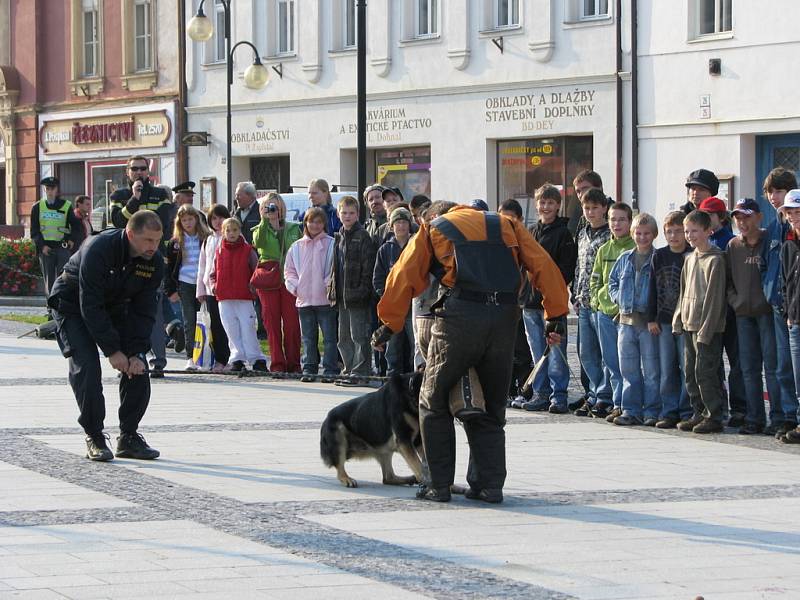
(476,256)
(54,229)
(106,297)
(141,193)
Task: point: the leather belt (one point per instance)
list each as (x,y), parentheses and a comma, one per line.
(495,298)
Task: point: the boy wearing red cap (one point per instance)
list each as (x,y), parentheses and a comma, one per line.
(717,211)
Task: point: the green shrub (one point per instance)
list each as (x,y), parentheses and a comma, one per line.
(19,268)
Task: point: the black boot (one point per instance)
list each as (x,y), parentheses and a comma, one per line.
(97,449)
(133,445)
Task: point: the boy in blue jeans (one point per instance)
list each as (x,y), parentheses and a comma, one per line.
(777,185)
(550,385)
(665,287)
(590,237)
(629,287)
(619,217)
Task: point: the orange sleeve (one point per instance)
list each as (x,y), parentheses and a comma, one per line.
(407,279)
(544,274)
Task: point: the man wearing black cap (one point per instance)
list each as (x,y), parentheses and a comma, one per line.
(184,193)
(701,184)
(54,229)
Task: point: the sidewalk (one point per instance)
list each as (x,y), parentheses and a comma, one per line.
(240,504)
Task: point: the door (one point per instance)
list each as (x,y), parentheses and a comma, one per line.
(774,151)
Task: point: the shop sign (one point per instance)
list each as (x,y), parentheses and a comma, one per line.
(135,130)
(540,111)
(260,140)
(385,124)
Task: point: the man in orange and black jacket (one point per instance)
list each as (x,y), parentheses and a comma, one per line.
(476,257)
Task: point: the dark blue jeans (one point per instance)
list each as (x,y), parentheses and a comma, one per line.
(312,319)
(784,371)
(757,335)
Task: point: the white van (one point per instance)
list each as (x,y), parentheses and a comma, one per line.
(297,203)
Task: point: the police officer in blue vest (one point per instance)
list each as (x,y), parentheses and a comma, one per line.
(106,298)
(54,229)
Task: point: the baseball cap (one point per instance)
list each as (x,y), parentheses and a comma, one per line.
(792,199)
(713,205)
(704,178)
(746,206)
(393,190)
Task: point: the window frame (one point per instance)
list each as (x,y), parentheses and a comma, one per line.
(288,29)
(432,20)
(90,45)
(596,14)
(511,6)
(146,37)
(218,13)
(719,20)
(349,19)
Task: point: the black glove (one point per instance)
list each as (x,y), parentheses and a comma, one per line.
(382,335)
(555,326)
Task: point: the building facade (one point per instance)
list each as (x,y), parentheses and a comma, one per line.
(479,99)
(93,82)
(715,91)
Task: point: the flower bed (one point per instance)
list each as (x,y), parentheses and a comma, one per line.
(20,274)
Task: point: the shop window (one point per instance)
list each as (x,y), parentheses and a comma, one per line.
(524,165)
(710,17)
(138,48)
(408,169)
(86,47)
(72,179)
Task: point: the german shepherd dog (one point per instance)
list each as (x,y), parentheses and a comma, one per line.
(376,425)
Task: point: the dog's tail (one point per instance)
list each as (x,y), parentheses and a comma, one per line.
(328,441)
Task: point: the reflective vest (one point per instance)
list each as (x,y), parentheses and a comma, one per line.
(53,221)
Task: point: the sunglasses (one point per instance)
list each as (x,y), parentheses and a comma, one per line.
(138,168)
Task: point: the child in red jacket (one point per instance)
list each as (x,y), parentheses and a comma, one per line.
(234,263)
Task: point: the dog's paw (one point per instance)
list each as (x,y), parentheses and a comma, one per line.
(349,482)
(457,489)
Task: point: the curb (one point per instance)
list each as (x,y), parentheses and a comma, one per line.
(33,301)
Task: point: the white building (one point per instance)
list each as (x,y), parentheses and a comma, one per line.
(492,98)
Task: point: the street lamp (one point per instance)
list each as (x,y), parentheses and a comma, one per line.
(256,76)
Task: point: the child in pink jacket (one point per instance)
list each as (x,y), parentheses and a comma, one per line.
(307,273)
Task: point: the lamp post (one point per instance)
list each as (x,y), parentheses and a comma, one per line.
(256,76)
(361,103)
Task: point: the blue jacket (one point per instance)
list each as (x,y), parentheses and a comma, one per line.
(771,262)
(721,237)
(627,288)
(332,223)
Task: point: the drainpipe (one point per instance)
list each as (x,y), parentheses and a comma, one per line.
(182,156)
(634,105)
(618,71)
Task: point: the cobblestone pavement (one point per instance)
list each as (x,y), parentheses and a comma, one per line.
(240,503)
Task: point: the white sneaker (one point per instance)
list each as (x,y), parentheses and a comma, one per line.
(190,366)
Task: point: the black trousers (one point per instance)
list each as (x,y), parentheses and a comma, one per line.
(219,339)
(468,334)
(85,378)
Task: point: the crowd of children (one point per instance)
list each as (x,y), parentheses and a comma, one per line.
(653,323)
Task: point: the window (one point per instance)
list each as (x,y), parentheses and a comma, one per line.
(91,40)
(220,52)
(594,8)
(714,16)
(285,26)
(506,13)
(143,37)
(426,17)
(349,24)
